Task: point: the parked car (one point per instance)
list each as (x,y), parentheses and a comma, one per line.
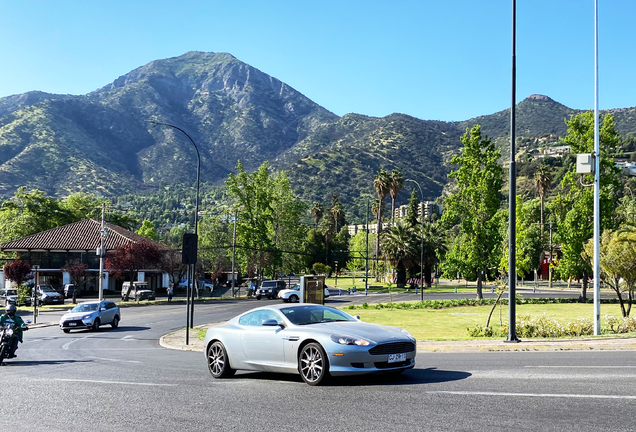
(293,294)
(91,315)
(10,296)
(270,289)
(314,340)
(69,289)
(45,295)
(203,284)
(137,291)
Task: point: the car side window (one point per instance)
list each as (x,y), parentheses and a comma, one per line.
(245,319)
(270,315)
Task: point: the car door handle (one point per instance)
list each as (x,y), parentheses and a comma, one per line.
(291,338)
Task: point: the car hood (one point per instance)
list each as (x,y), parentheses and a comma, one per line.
(50,294)
(287,291)
(371,332)
(76,315)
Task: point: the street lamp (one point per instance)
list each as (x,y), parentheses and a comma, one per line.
(336,263)
(421,242)
(190,303)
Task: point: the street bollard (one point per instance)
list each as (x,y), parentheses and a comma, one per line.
(339,292)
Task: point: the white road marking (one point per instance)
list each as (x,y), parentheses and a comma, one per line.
(114,360)
(583,367)
(114,382)
(546,395)
(128,338)
(68,344)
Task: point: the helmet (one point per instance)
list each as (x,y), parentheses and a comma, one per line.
(10,309)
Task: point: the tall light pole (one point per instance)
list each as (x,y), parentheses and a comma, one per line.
(196,214)
(597,170)
(512,195)
(421,241)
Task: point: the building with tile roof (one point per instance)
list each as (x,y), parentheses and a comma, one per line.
(51,250)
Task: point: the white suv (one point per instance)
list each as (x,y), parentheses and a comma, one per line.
(293,294)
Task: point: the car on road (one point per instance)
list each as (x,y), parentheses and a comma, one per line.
(69,289)
(137,291)
(91,315)
(270,289)
(316,341)
(292,295)
(10,296)
(46,295)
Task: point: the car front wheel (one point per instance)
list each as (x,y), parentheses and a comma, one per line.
(293,299)
(115,322)
(218,363)
(313,364)
(95,324)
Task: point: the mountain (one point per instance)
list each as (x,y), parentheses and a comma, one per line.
(101,143)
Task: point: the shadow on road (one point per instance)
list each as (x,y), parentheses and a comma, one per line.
(40,362)
(413,376)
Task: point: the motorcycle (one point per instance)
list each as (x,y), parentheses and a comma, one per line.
(6,338)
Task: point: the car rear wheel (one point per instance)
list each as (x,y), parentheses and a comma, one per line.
(258,297)
(96,324)
(115,322)
(293,299)
(218,363)
(313,364)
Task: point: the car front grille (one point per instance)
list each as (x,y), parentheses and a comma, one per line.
(393,348)
(77,323)
(387,365)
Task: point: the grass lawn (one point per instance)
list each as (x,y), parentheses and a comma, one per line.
(346,282)
(451,323)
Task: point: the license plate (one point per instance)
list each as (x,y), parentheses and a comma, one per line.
(72,324)
(394,358)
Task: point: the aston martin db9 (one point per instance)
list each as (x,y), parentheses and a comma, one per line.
(315,341)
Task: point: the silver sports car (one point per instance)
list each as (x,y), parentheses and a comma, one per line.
(313,340)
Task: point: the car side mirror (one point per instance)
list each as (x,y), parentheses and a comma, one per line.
(102,309)
(271,323)
(357,317)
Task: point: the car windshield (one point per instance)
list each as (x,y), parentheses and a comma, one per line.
(12,292)
(314,314)
(47,289)
(268,284)
(91,307)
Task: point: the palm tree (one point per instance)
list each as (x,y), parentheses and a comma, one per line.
(396,182)
(327,232)
(434,245)
(381,186)
(401,245)
(316,212)
(542,181)
(336,212)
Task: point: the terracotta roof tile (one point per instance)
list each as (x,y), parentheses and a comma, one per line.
(83,235)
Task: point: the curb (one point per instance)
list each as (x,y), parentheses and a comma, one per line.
(621,344)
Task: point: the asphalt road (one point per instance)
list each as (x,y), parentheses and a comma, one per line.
(121,380)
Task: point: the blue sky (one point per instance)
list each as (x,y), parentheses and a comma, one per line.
(439,60)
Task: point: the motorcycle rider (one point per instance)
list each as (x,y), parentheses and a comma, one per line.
(18,327)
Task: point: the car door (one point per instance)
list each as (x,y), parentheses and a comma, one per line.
(263,345)
(108,314)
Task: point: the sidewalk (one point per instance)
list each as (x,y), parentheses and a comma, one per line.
(176,340)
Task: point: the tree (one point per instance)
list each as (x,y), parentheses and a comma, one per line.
(215,243)
(381,186)
(171,264)
(473,207)
(434,248)
(17,271)
(132,258)
(401,246)
(396,183)
(268,219)
(316,212)
(412,211)
(542,181)
(528,246)
(573,207)
(358,250)
(77,272)
(148,230)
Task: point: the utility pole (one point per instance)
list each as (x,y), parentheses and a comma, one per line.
(233,252)
(104,234)
(366,266)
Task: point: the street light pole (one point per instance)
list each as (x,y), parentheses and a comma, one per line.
(421,242)
(104,234)
(196,212)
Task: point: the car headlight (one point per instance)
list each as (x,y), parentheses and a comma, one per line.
(408,334)
(87,317)
(344,340)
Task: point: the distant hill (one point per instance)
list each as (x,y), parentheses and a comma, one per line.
(100,142)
